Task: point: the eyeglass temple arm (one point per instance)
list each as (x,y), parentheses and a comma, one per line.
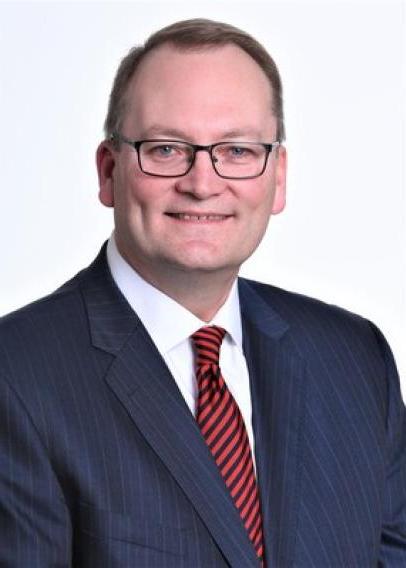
(116,137)
(273,145)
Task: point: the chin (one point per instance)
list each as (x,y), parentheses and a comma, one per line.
(202,263)
(198,266)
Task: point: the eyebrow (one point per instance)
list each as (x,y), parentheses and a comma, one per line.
(164,131)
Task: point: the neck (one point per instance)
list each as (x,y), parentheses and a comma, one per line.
(201,292)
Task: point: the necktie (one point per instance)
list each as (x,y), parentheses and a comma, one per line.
(223,429)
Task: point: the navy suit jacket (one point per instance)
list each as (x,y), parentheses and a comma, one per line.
(103,465)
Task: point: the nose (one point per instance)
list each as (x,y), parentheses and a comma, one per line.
(201,181)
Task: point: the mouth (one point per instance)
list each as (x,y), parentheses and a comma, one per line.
(199,217)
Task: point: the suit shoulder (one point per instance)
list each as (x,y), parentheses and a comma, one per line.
(60,303)
(45,306)
(313,317)
(43,322)
(327,333)
(283,299)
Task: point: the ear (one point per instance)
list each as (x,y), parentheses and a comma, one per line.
(279,200)
(105,160)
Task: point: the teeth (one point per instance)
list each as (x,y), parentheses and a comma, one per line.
(187,217)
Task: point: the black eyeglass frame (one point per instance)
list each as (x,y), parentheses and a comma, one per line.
(136,144)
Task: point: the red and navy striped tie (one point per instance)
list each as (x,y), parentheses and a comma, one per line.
(223,428)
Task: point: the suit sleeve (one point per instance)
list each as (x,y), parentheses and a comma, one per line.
(393,536)
(35,530)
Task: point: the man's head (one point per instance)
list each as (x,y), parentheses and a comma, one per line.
(200,91)
(191,35)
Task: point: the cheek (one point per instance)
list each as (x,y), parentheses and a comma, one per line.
(148,192)
(259,208)
(259,199)
(133,194)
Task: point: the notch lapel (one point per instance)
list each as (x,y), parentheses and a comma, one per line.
(278,405)
(141,380)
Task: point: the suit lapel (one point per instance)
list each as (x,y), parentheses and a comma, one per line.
(277,390)
(140,379)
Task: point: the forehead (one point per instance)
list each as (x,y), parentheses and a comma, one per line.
(203,90)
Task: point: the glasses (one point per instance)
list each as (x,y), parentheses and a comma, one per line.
(173,158)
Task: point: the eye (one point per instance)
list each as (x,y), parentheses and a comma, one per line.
(238,151)
(165,150)
(162,151)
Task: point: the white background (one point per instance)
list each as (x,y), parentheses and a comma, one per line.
(342,237)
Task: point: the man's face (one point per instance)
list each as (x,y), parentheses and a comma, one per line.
(200,97)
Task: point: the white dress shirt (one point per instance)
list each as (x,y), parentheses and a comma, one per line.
(170,326)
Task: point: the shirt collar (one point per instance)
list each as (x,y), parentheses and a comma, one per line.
(167,322)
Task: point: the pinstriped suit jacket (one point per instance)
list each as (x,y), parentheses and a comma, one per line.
(102,464)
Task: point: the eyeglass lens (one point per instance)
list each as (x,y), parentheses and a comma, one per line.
(171,158)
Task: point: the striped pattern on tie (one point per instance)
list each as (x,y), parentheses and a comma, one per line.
(223,429)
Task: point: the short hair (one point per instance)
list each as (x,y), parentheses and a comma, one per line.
(187,35)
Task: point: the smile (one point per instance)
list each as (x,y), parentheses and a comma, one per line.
(197,218)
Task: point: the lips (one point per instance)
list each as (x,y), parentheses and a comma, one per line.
(196,217)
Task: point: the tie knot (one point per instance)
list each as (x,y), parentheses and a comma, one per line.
(207,341)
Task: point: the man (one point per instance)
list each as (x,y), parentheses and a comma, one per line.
(125,441)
